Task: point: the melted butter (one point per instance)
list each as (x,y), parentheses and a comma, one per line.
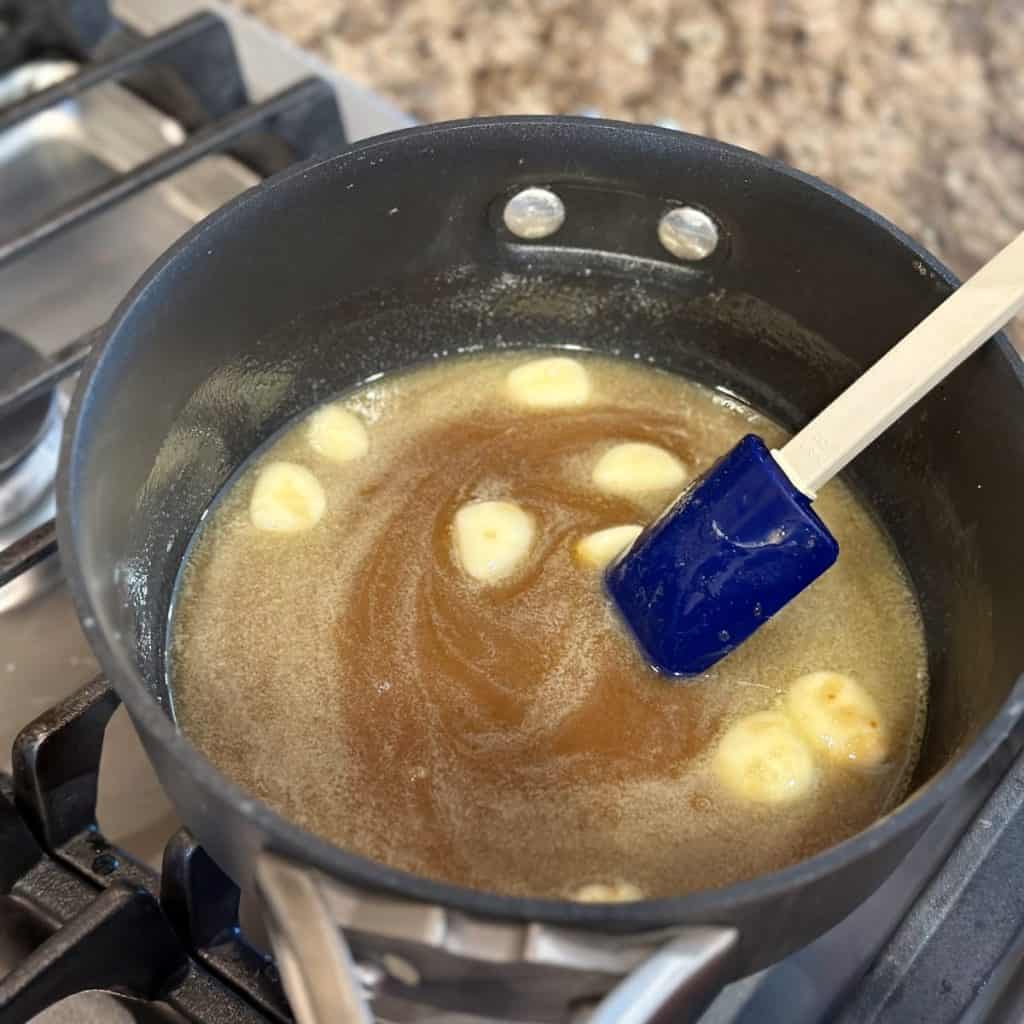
(509,737)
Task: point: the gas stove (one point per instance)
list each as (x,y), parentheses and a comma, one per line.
(120,126)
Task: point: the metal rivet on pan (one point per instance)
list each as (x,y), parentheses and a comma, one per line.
(534,213)
(688,233)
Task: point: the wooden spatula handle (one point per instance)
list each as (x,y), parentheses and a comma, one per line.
(907,372)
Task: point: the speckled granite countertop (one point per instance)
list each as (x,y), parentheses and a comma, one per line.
(915,107)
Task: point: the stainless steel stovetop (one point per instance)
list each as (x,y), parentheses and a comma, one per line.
(67,286)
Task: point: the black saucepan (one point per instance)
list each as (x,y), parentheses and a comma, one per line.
(393,251)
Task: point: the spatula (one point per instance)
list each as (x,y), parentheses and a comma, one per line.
(742,541)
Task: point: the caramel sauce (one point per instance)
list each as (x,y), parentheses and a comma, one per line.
(509,737)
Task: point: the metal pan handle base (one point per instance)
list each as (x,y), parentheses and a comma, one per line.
(655,978)
(312,955)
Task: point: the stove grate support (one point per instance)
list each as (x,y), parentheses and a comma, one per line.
(38,28)
(105,921)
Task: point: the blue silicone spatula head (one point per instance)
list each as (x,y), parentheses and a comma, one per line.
(743,541)
(735,547)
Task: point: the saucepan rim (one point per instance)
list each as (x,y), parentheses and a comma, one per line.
(117,660)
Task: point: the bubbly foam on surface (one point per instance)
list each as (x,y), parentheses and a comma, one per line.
(509,736)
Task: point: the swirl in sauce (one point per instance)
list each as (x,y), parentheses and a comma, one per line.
(509,737)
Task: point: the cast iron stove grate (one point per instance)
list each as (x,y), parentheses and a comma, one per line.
(86,916)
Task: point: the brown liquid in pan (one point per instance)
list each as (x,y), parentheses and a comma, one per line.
(509,737)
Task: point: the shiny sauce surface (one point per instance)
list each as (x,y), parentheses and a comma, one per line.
(508,736)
